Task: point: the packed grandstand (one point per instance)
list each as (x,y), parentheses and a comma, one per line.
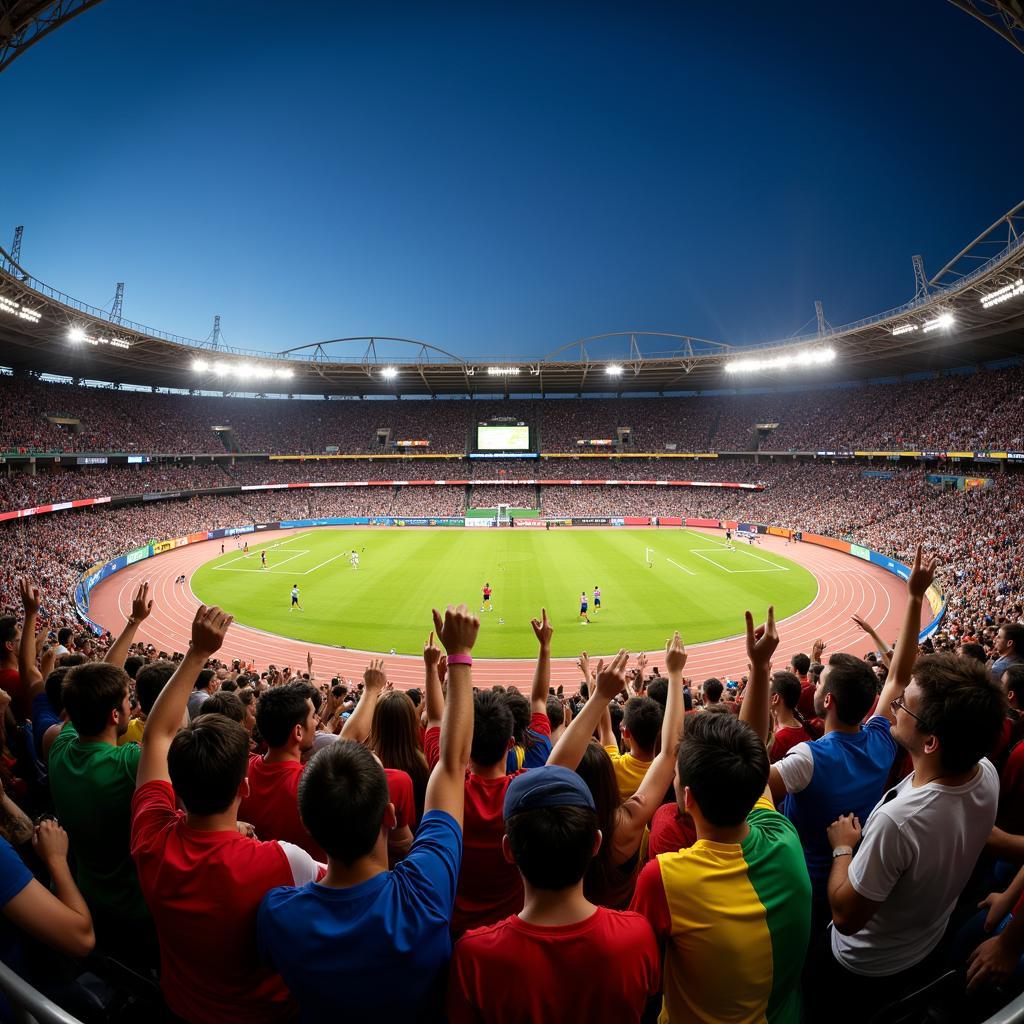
(814,819)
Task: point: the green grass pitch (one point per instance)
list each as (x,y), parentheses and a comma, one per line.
(694,584)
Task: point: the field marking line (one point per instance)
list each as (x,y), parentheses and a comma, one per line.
(258,567)
(725,568)
(266,547)
(683,567)
(322,564)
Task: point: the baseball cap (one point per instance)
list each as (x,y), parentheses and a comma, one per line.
(549,786)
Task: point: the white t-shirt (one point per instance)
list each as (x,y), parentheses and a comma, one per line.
(918,850)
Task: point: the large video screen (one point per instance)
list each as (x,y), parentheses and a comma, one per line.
(504,438)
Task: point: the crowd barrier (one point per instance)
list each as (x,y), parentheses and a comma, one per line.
(97,573)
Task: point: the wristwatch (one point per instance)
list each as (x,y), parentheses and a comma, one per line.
(842,851)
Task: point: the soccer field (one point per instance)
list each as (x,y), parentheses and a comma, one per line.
(694,584)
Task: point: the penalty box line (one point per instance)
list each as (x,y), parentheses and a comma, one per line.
(678,566)
(258,567)
(266,547)
(725,568)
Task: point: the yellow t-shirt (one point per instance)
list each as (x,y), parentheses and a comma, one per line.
(629,771)
(134,733)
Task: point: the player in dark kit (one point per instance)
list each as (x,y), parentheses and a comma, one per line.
(583,609)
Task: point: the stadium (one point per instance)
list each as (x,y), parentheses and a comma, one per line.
(333,498)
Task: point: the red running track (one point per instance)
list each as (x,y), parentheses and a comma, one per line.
(846,586)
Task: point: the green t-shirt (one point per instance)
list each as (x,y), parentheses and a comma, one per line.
(92,786)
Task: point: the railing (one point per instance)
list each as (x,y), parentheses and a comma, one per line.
(30,1006)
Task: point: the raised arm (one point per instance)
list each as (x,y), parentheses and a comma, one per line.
(142,605)
(572,744)
(433,696)
(761,644)
(163,721)
(446,789)
(884,649)
(652,789)
(374,680)
(542,673)
(898,679)
(30,675)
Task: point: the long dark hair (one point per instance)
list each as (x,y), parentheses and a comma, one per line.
(596,770)
(395,739)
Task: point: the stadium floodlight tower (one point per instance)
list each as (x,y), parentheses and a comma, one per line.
(24,22)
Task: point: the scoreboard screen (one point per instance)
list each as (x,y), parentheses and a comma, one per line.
(503,438)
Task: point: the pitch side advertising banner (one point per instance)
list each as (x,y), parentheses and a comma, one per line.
(531,524)
(137,555)
(479,523)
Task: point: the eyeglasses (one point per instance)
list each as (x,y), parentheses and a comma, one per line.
(898,703)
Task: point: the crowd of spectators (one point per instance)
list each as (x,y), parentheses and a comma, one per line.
(898,415)
(192,839)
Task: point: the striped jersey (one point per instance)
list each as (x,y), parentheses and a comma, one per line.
(734,920)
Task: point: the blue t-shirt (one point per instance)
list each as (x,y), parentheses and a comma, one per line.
(374,951)
(849,774)
(43,716)
(14,876)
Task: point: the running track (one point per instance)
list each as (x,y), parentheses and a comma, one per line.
(846,586)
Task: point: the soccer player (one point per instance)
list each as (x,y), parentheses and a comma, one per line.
(295,598)
(245,549)
(487,606)
(597,599)
(583,609)
(263,558)
(728,539)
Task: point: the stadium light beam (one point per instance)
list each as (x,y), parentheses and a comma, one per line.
(1009,291)
(798,360)
(76,334)
(200,365)
(502,371)
(389,373)
(941,323)
(613,370)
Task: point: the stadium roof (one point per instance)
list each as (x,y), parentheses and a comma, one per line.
(972,311)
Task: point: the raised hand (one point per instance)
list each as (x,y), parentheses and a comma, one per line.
(50,841)
(142,604)
(817,649)
(442,667)
(374,677)
(611,680)
(208,629)
(922,574)
(675,654)
(431,652)
(583,664)
(761,642)
(863,624)
(457,630)
(309,662)
(844,831)
(30,599)
(542,629)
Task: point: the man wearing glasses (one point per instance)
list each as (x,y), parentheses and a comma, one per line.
(893,889)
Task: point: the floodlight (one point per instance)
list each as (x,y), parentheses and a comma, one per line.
(806,358)
(200,365)
(1009,291)
(76,334)
(613,370)
(389,373)
(942,322)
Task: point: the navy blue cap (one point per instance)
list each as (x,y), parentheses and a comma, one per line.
(550,786)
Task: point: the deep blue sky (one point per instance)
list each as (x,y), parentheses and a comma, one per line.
(499,179)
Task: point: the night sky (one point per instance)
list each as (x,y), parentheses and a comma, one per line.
(500,179)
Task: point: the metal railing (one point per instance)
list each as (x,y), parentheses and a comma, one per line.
(30,1006)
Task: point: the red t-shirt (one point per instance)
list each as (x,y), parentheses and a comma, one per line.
(603,968)
(671,830)
(1010,817)
(272,805)
(490,888)
(786,738)
(10,683)
(806,703)
(203,890)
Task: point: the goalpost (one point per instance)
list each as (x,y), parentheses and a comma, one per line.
(648,552)
(503,516)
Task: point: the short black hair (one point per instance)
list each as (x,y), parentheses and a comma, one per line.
(203,679)
(725,765)
(712,689)
(961,706)
(150,681)
(132,665)
(788,687)
(975,651)
(520,708)
(853,685)
(1014,632)
(53,686)
(492,727)
(1015,682)
(207,762)
(556,713)
(643,720)
(552,846)
(415,696)
(801,663)
(8,629)
(90,692)
(226,703)
(280,709)
(657,690)
(64,634)
(343,794)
